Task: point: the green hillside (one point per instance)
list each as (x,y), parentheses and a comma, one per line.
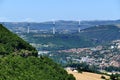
(16,64)
(89,37)
(102,34)
(58,41)
(11,43)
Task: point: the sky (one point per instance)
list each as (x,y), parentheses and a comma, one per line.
(46,10)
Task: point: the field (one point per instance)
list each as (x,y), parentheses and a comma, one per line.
(86,75)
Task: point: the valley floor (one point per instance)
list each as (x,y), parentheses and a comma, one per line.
(86,75)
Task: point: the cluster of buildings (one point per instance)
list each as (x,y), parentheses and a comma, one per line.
(115,44)
(102,56)
(76,50)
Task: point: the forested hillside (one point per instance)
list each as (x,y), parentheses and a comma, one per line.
(11,43)
(102,34)
(58,41)
(16,64)
(31,68)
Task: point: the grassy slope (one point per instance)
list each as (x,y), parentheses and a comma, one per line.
(86,75)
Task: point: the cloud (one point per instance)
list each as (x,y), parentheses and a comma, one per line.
(8,19)
(4,19)
(28,20)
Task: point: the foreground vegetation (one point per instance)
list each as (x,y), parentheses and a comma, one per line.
(31,68)
(19,61)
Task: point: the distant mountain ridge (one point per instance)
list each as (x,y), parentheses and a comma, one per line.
(60,24)
(89,37)
(95,32)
